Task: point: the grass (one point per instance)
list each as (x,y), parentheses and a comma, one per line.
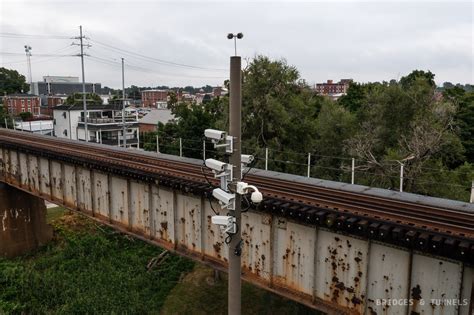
(199,293)
(87,269)
(91,269)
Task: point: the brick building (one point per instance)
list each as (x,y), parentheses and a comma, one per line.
(21,103)
(49,102)
(154,98)
(331,88)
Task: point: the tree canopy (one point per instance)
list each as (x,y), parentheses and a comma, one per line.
(77,99)
(12,82)
(380,124)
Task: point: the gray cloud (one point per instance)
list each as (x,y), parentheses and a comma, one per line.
(367,41)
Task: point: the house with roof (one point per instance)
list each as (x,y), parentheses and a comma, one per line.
(104,124)
(150,121)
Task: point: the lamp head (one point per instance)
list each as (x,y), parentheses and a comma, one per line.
(230,36)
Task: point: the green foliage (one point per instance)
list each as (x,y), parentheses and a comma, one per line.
(5,116)
(77,99)
(88,270)
(26,116)
(408,81)
(12,82)
(376,123)
(200,294)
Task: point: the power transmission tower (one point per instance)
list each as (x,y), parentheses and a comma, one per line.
(81,38)
(28,56)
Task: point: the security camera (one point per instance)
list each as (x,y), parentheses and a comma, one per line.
(226,200)
(256,197)
(246,158)
(216,165)
(243,188)
(226,223)
(215,135)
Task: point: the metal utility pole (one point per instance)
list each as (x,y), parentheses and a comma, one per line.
(28,59)
(234,295)
(86,136)
(124,129)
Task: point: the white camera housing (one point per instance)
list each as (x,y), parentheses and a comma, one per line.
(242,189)
(226,223)
(226,200)
(215,135)
(246,158)
(216,165)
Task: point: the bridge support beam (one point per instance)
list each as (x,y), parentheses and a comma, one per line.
(23,222)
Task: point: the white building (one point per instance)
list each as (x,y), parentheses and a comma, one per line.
(43,127)
(104,124)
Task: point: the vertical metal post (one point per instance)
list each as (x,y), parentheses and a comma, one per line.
(203,150)
(234,294)
(401,176)
(309,164)
(180,147)
(266,159)
(472,192)
(14,124)
(124,129)
(41,128)
(86,136)
(6,123)
(353,171)
(157,145)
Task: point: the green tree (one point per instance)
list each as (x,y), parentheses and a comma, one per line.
(408,80)
(76,99)
(26,116)
(4,116)
(464,119)
(12,82)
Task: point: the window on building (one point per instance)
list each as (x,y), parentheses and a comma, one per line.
(29,102)
(22,102)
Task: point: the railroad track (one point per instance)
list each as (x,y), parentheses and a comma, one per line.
(448,221)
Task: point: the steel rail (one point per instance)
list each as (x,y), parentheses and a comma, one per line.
(380,208)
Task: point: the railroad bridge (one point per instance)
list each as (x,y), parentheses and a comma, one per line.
(339,248)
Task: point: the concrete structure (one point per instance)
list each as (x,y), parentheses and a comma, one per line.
(333,89)
(336,272)
(154,98)
(21,103)
(104,124)
(150,121)
(23,218)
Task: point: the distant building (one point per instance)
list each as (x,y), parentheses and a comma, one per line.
(104,124)
(150,121)
(52,85)
(22,103)
(333,89)
(154,98)
(48,102)
(219,91)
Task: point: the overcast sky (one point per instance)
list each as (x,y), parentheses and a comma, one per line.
(366,41)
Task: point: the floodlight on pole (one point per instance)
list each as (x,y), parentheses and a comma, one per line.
(235,37)
(28,55)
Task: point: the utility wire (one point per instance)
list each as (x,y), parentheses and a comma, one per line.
(152,59)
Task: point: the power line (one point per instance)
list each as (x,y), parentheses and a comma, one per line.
(145,70)
(156,60)
(39,36)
